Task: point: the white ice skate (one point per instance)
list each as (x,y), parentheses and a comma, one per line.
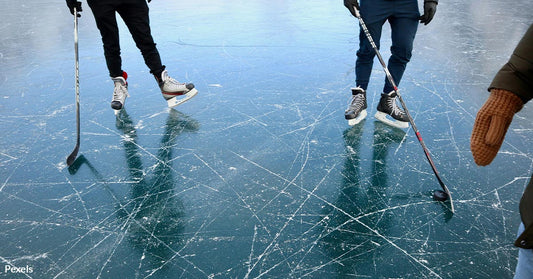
(389,112)
(176,93)
(120,93)
(356,110)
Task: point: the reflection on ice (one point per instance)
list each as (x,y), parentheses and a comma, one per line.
(258,176)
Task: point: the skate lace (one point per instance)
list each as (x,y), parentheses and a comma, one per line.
(120,92)
(357,102)
(395,109)
(169,79)
(173,81)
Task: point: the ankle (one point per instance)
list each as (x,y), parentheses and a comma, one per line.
(158,74)
(391,94)
(358,90)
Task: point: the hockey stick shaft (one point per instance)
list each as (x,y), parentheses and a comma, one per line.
(72,156)
(411,121)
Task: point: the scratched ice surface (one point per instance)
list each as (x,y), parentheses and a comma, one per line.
(259,176)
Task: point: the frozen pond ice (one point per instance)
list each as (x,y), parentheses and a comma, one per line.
(259,175)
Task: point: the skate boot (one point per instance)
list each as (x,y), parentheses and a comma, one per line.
(387,108)
(356,111)
(120,92)
(174,92)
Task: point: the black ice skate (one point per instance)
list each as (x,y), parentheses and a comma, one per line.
(387,109)
(356,111)
(120,92)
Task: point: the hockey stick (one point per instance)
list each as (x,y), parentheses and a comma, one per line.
(72,156)
(438,196)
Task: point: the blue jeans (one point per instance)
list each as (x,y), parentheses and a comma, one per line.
(403,18)
(524,267)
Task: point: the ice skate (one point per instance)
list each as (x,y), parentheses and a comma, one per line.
(389,112)
(120,93)
(356,111)
(176,93)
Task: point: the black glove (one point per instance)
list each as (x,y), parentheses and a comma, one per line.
(74,4)
(350,4)
(430,7)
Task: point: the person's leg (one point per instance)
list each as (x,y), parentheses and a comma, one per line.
(135,15)
(524,266)
(404,25)
(403,30)
(104,15)
(374,14)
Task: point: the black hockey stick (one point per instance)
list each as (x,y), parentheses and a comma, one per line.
(72,156)
(439,195)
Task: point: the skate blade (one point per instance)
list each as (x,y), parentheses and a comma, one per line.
(358,119)
(175,101)
(117,111)
(383,117)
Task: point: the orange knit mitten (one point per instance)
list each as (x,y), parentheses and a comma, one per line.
(491,124)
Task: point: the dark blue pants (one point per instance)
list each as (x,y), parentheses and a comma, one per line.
(403,18)
(135,15)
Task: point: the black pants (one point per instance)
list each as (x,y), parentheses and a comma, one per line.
(135,15)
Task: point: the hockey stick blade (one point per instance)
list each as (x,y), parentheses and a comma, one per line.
(445,189)
(76,164)
(452,209)
(72,157)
